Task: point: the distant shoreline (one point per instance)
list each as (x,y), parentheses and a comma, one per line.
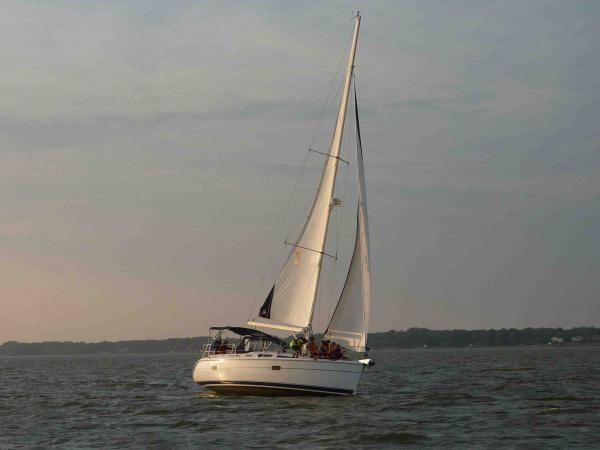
(411,338)
(198,352)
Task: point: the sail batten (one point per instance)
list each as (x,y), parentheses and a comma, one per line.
(290,302)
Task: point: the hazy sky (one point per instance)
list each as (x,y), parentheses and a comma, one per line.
(147,154)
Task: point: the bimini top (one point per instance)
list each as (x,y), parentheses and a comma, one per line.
(253,333)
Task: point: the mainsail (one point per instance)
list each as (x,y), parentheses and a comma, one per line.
(290,303)
(350,321)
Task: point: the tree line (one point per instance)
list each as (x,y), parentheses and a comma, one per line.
(419,337)
(177,345)
(411,338)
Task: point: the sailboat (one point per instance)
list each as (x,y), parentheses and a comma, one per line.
(260,363)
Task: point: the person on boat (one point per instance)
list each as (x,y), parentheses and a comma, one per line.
(324,353)
(312,348)
(215,345)
(337,353)
(296,346)
(222,349)
(332,351)
(244,345)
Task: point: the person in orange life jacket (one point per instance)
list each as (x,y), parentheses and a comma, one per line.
(312,348)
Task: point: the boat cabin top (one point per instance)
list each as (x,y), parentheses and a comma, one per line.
(228,340)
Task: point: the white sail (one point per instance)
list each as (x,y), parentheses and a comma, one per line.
(290,303)
(350,321)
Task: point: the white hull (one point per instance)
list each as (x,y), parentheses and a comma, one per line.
(277,374)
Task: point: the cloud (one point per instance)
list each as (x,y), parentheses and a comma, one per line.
(148,150)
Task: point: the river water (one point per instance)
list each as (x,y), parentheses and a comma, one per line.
(520,397)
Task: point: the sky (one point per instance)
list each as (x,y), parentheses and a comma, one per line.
(148,151)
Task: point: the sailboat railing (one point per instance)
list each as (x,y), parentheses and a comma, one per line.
(210,349)
(213,347)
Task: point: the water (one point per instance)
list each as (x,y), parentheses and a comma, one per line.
(526,397)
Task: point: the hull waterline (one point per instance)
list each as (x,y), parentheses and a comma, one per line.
(269,389)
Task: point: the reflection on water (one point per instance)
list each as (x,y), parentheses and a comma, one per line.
(525,397)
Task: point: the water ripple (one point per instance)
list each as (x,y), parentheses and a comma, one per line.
(526,397)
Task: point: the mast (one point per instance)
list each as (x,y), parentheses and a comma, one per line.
(290,303)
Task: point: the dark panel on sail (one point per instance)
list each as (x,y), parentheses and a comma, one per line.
(265,309)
